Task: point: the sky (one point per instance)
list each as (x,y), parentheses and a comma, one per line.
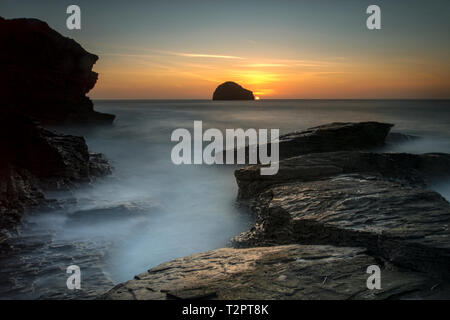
(278,49)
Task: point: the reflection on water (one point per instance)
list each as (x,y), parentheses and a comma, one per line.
(151,211)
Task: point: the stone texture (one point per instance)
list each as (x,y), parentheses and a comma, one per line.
(376,201)
(335,136)
(280,272)
(34,159)
(418,169)
(330,137)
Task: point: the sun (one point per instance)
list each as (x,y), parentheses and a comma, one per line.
(257,98)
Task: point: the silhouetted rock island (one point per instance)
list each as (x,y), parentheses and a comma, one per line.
(46,75)
(232,91)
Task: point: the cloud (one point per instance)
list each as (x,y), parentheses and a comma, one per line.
(203,55)
(265,65)
(283,63)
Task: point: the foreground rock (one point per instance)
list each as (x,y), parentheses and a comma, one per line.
(375,201)
(232,91)
(46,75)
(419,170)
(36,159)
(34,266)
(281,272)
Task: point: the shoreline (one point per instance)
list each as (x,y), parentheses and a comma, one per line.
(220,273)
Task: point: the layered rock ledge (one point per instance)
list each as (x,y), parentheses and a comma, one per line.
(336,136)
(375,201)
(280,272)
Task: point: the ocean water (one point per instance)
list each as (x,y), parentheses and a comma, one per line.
(151,211)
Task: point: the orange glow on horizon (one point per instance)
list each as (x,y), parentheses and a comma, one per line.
(190,76)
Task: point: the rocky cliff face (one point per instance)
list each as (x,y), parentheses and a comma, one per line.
(43,76)
(232,91)
(46,75)
(34,159)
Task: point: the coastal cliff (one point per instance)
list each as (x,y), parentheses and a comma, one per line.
(44,79)
(46,75)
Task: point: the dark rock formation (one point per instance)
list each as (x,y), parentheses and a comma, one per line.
(281,272)
(232,91)
(335,136)
(326,138)
(33,266)
(46,75)
(33,159)
(419,170)
(376,201)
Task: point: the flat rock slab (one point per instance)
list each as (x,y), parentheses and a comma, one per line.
(280,272)
(418,170)
(336,136)
(354,199)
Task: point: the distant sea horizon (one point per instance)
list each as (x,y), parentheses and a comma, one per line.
(274,99)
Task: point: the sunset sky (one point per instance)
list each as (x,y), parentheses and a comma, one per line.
(278,49)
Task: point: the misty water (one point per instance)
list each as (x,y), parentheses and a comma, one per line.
(151,211)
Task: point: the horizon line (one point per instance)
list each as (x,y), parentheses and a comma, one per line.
(261,99)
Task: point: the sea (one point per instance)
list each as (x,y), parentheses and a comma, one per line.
(150,210)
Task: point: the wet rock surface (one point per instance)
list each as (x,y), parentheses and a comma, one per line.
(34,160)
(405,225)
(51,83)
(337,136)
(278,272)
(418,170)
(34,266)
(35,257)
